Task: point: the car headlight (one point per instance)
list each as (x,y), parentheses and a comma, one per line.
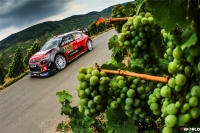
(45,59)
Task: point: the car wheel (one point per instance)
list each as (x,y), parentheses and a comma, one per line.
(89,45)
(60,62)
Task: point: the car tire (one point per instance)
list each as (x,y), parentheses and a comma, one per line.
(60,62)
(89,45)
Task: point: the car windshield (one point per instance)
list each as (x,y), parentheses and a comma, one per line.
(50,44)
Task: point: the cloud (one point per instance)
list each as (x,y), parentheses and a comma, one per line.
(21,13)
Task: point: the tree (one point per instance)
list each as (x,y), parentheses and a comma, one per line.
(17,65)
(2,71)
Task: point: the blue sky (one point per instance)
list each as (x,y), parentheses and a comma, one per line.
(16,15)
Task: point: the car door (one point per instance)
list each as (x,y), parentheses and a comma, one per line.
(79,40)
(68,45)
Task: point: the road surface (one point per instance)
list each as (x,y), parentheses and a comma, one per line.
(31,105)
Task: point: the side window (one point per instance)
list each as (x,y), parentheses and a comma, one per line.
(76,35)
(66,40)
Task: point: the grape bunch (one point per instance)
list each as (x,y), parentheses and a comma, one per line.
(136,37)
(181,95)
(118,12)
(130,94)
(92,91)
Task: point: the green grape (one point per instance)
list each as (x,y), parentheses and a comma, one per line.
(156,112)
(171,109)
(142,114)
(140,90)
(131,93)
(180,121)
(170,120)
(195,91)
(163,31)
(172,67)
(177,104)
(136,102)
(167,130)
(188,95)
(172,83)
(129,101)
(137,110)
(114,105)
(165,91)
(186,106)
(154,99)
(97,99)
(154,106)
(195,112)
(128,107)
(165,35)
(151,21)
(144,20)
(193,101)
(177,53)
(180,79)
(158,95)
(186,118)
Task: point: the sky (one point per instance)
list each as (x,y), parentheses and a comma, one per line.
(16,15)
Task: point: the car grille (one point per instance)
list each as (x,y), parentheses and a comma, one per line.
(34,68)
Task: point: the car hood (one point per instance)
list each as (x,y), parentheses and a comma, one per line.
(37,56)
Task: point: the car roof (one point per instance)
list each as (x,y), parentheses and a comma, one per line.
(58,36)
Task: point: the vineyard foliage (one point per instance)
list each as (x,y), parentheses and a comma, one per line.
(17,66)
(160,38)
(2,71)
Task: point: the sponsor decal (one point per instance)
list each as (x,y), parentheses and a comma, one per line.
(68,47)
(75,51)
(190,129)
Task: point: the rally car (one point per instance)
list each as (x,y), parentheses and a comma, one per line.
(58,51)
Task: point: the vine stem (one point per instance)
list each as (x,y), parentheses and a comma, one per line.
(117,19)
(138,75)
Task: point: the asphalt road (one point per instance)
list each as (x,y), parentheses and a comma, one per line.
(31,105)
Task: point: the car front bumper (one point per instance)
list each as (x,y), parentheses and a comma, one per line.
(38,70)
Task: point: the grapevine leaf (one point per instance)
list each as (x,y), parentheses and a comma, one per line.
(115,51)
(59,94)
(109,67)
(68,97)
(157,45)
(163,65)
(61,99)
(119,122)
(136,66)
(166,14)
(129,9)
(119,57)
(189,38)
(113,41)
(80,123)
(66,109)
(139,6)
(121,65)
